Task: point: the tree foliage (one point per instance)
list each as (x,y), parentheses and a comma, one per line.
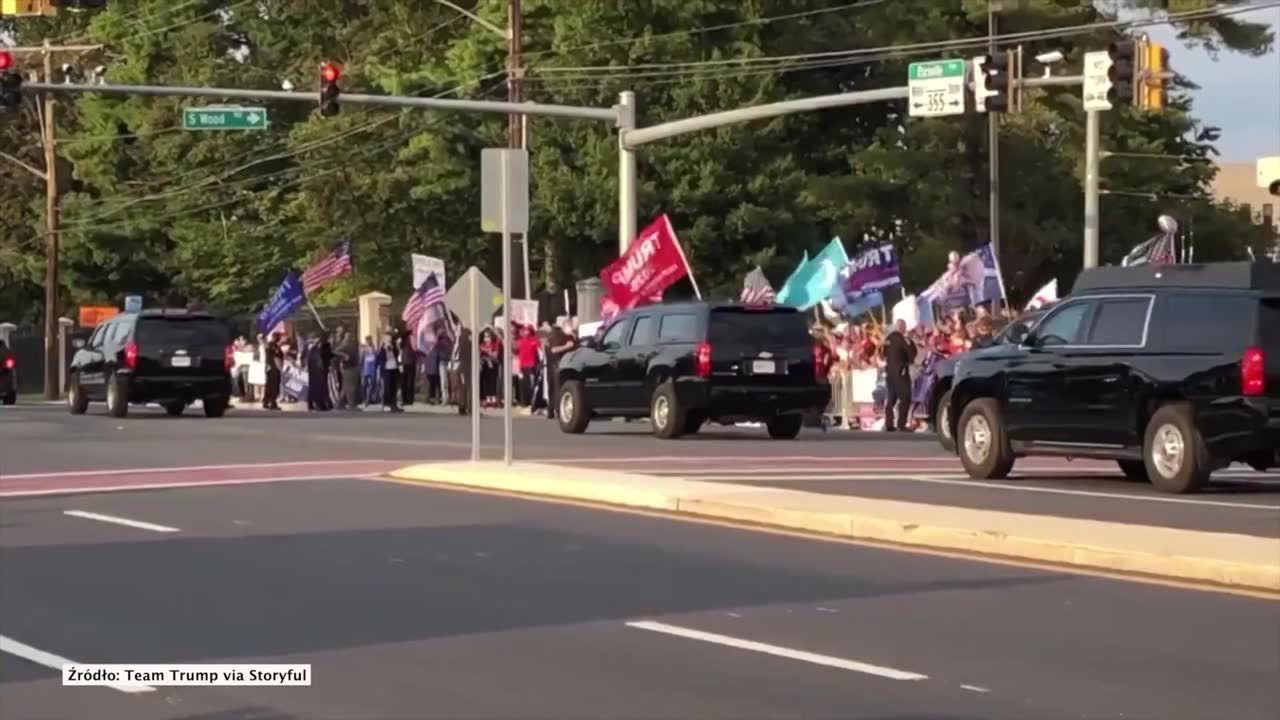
(217,217)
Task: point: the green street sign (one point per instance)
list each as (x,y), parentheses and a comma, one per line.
(935,69)
(224,118)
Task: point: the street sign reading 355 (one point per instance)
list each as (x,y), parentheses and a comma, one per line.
(936,88)
(224,118)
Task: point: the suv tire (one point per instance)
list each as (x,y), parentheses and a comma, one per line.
(785,427)
(942,423)
(77,401)
(176,408)
(571,408)
(664,412)
(117,396)
(1175,455)
(1135,470)
(982,441)
(216,407)
(10,397)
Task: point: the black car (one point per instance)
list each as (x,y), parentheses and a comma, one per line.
(944,371)
(682,365)
(8,375)
(1172,371)
(168,357)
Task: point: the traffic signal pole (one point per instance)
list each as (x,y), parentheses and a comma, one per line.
(1091,158)
(48,129)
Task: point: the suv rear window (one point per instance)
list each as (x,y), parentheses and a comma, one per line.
(732,326)
(1206,322)
(183,332)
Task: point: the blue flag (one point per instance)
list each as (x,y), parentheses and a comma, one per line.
(285,302)
(813,282)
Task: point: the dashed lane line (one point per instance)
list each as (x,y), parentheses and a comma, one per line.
(115,520)
(776,650)
(49,660)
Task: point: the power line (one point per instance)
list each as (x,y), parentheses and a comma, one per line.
(905,48)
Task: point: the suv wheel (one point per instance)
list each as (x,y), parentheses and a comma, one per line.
(175,408)
(117,396)
(785,427)
(942,423)
(1175,455)
(77,401)
(983,444)
(664,412)
(10,397)
(571,408)
(1135,470)
(216,407)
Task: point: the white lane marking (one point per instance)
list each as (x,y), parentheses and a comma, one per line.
(975,688)
(49,660)
(171,485)
(188,468)
(776,650)
(1093,493)
(121,521)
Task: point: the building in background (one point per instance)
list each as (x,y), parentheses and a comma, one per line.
(1238,182)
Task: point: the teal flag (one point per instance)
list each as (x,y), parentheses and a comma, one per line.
(788,286)
(814,280)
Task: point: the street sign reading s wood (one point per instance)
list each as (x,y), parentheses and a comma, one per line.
(936,88)
(224,118)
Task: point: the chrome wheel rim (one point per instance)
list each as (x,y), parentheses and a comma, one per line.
(111,394)
(71,395)
(566,406)
(944,423)
(977,439)
(1168,449)
(661,411)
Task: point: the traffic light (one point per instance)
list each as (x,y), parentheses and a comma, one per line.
(10,82)
(329,90)
(994,86)
(1153,87)
(1123,71)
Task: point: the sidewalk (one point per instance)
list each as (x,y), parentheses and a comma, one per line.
(1240,561)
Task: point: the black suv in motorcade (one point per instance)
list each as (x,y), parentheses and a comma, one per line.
(169,357)
(1172,371)
(682,365)
(944,375)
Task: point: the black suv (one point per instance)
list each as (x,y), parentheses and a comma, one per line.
(1172,371)
(682,365)
(170,357)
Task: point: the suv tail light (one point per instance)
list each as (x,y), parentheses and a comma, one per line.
(131,356)
(820,363)
(1253,372)
(702,360)
(10,363)
(229,357)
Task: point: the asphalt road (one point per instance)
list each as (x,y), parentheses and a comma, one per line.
(411,602)
(43,443)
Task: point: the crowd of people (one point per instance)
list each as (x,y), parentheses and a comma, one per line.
(880,374)
(331,371)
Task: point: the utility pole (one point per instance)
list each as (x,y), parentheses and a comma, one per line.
(516,121)
(993,143)
(48,131)
(1092,155)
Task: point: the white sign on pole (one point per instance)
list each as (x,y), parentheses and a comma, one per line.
(1097,81)
(936,88)
(524,312)
(424,266)
(517,177)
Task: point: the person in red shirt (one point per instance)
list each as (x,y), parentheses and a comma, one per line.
(527,355)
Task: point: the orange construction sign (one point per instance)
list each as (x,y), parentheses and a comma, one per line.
(95,315)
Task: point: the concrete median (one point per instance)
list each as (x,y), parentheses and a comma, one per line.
(1240,561)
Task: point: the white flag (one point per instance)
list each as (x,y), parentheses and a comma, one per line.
(1045,295)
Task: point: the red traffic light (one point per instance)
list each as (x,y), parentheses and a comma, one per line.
(6,60)
(330,72)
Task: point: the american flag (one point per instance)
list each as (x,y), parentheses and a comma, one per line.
(426,301)
(756,289)
(335,264)
(1159,250)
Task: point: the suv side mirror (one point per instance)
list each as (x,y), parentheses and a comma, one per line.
(77,343)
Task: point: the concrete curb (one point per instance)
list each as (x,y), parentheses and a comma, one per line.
(1239,561)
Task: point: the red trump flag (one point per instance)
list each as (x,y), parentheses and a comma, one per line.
(651,265)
